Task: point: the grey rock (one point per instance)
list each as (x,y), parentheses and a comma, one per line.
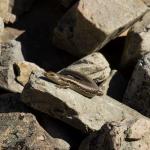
(89,25)
(10,52)
(137,94)
(11,102)
(83,113)
(22,131)
(126,134)
(137,42)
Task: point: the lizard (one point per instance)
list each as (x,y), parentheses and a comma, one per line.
(75,81)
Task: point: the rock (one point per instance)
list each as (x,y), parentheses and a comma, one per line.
(10,53)
(11,103)
(137,94)
(22,131)
(24,70)
(1,26)
(127,134)
(89,25)
(10,33)
(9,9)
(115,85)
(137,42)
(94,66)
(83,113)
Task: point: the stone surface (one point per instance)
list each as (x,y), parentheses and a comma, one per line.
(89,25)
(22,131)
(127,135)
(69,106)
(147,2)
(9,9)
(95,66)
(11,103)
(137,42)
(24,70)
(137,94)
(10,52)
(10,33)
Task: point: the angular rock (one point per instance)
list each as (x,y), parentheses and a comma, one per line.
(94,66)
(89,25)
(137,94)
(73,108)
(22,131)
(10,33)
(24,70)
(10,53)
(137,42)
(12,103)
(127,134)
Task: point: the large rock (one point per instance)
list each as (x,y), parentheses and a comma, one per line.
(12,103)
(137,42)
(73,108)
(89,25)
(126,134)
(137,94)
(22,131)
(10,53)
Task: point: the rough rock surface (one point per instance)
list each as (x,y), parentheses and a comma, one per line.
(137,42)
(127,135)
(89,25)
(24,70)
(10,53)
(94,66)
(22,131)
(71,107)
(137,94)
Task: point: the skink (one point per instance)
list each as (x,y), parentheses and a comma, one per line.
(75,81)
